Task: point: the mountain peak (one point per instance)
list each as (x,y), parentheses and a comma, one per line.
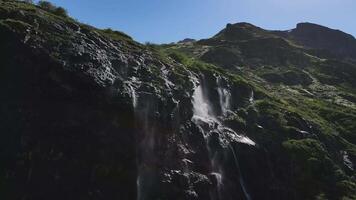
(320,37)
(311,27)
(241,25)
(186,40)
(302,25)
(241,31)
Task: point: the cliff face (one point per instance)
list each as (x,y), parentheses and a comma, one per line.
(91,114)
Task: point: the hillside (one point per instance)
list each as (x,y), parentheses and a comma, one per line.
(248,114)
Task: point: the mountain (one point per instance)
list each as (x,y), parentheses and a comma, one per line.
(187,40)
(250,113)
(319,37)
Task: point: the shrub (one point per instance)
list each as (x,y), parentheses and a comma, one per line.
(46,5)
(116,34)
(60,11)
(179,57)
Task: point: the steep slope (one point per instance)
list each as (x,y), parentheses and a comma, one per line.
(91,114)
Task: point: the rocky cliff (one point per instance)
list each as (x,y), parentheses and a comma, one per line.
(91,114)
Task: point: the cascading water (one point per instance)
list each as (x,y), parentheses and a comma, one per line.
(140,115)
(202,109)
(224,96)
(242,182)
(252,97)
(132,84)
(146,151)
(204,118)
(132,90)
(203,114)
(146,145)
(133,96)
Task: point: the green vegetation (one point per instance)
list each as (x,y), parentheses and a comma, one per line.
(310,165)
(16,25)
(117,35)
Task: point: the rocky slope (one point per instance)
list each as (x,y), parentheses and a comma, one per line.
(248,114)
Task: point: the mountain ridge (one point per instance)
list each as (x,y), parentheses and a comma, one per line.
(306,34)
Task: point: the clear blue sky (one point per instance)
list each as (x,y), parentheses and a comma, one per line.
(164,21)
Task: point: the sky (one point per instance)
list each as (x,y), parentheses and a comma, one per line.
(165,21)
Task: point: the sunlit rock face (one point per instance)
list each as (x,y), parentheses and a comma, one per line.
(92,114)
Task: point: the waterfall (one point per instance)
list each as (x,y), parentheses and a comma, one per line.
(242,182)
(145,140)
(224,96)
(147,158)
(138,186)
(133,96)
(204,118)
(202,113)
(252,97)
(132,92)
(202,109)
(132,84)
